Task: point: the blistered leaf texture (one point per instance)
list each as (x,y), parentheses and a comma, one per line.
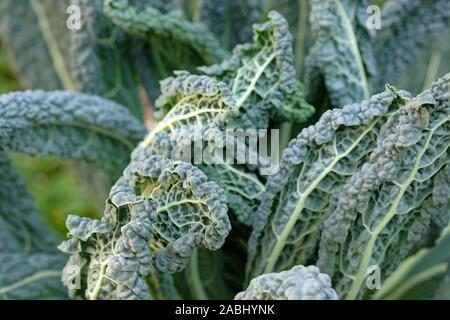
(298,283)
(189,102)
(68,125)
(261,75)
(408,28)
(386,206)
(162,27)
(197,111)
(248,73)
(313,169)
(157,213)
(341,55)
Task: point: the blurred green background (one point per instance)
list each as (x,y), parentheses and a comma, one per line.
(54,183)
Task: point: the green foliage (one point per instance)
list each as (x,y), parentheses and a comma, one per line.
(409,28)
(64,124)
(385,209)
(341,54)
(298,283)
(31,276)
(36,43)
(68,125)
(230,21)
(365,185)
(261,76)
(420,274)
(313,170)
(101,58)
(30,266)
(157,213)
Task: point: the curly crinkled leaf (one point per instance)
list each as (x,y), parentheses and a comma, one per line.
(190,39)
(230,21)
(158,212)
(26,276)
(261,75)
(37,42)
(68,125)
(298,283)
(373,211)
(187,102)
(314,167)
(409,27)
(197,109)
(268,60)
(110,257)
(242,187)
(341,55)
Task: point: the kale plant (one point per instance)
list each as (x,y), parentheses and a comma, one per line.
(358,207)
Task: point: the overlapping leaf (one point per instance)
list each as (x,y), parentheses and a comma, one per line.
(230,21)
(409,28)
(31,276)
(341,55)
(68,125)
(37,42)
(314,168)
(261,76)
(158,212)
(190,43)
(422,275)
(197,109)
(102,59)
(386,207)
(30,267)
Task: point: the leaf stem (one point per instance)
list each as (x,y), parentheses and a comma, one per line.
(196,282)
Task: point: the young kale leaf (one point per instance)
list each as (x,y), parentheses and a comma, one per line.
(298,283)
(157,213)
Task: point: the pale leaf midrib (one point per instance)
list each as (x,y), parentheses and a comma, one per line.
(365,260)
(94,128)
(281,240)
(52,45)
(176,119)
(30,279)
(354,48)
